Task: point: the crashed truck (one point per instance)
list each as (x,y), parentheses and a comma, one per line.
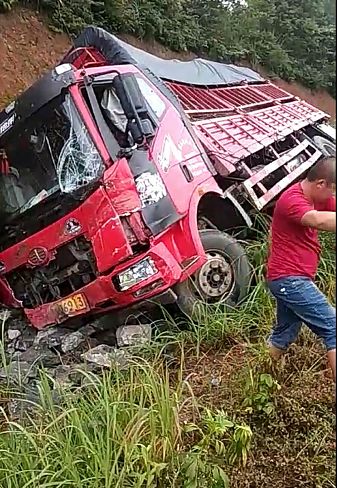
(128,179)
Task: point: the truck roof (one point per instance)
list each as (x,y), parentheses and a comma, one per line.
(31,100)
(196,72)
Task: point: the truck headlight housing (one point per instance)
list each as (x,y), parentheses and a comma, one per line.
(136,274)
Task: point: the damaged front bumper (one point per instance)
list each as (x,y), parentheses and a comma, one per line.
(106,292)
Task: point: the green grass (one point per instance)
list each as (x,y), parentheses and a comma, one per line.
(203,407)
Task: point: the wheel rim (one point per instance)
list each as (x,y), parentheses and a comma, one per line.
(214,281)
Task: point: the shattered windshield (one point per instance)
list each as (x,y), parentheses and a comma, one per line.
(53,152)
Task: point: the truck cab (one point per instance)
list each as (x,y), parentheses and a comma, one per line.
(126,178)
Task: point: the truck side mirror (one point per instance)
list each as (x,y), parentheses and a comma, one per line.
(134,106)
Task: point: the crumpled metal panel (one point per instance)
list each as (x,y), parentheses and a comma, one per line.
(231,139)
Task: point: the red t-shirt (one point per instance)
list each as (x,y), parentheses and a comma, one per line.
(294,249)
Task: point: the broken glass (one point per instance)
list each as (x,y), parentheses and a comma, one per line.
(79,162)
(51,152)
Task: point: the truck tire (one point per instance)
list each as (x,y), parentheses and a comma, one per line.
(223,280)
(327,148)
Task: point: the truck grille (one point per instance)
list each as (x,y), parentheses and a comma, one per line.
(72,267)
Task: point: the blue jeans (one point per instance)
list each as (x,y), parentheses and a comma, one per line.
(300,301)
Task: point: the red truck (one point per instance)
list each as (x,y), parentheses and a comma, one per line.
(127,178)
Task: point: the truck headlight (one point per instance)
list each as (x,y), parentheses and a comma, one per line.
(136,274)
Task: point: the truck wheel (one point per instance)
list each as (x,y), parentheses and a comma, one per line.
(326,147)
(224,279)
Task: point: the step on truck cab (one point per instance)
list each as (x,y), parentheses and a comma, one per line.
(124,179)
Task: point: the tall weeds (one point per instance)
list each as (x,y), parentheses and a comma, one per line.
(150,426)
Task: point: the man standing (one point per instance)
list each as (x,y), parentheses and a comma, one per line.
(302,210)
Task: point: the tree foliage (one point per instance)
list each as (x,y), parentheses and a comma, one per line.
(293,39)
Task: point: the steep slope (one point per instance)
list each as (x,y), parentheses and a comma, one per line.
(28,48)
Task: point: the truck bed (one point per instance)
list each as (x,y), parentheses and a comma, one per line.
(235,122)
(234,111)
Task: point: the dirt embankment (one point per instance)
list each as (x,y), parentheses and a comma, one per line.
(28,48)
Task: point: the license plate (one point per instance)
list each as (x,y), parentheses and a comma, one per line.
(74,304)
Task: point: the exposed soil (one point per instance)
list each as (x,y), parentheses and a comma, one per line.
(28,48)
(286,452)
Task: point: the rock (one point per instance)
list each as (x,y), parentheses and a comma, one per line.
(43,335)
(4,315)
(18,372)
(72,341)
(55,337)
(21,345)
(66,374)
(20,338)
(26,339)
(87,330)
(27,402)
(133,335)
(21,325)
(13,334)
(11,349)
(104,322)
(14,408)
(73,375)
(107,337)
(61,375)
(15,355)
(80,368)
(32,393)
(51,336)
(40,355)
(215,381)
(107,357)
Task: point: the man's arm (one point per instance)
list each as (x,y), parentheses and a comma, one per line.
(298,209)
(320,220)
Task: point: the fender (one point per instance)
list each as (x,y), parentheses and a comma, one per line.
(189,227)
(223,209)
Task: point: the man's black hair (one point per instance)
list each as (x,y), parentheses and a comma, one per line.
(324,169)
